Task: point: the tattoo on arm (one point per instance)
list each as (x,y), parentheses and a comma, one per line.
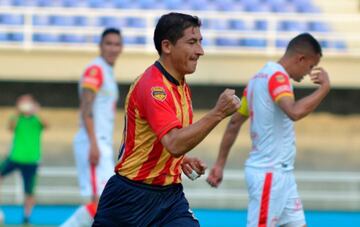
(87,101)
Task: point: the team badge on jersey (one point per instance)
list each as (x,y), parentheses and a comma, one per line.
(158,93)
(280,78)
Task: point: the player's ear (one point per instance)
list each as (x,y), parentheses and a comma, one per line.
(166,46)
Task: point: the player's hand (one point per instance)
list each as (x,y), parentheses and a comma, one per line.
(94,155)
(193,167)
(215,176)
(227,103)
(319,76)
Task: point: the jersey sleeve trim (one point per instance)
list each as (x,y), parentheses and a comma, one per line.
(165,130)
(93,78)
(243,110)
(288,94)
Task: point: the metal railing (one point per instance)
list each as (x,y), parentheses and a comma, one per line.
(268,37)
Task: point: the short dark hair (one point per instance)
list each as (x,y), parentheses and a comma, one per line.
(110,31)
(304,42)
(171,27)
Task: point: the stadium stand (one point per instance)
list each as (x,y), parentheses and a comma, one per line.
(228,20)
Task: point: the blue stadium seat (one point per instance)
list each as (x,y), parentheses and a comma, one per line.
(11,19)
(281,43)
(339,45)
(176,5)
(122,4)
(318,26)
(288,25)
(258,7)
(62,20)
(216,24)
(283,8)
(15,37)
(136,22)
(81,21)
(52,3)
(72,38)
(5,3)
(3,37)
(113,22)
(238,24)
(46,38)
(225,42)
(203,5)
(252,42)
(229,5)
(41,20)
(25,3)
(76,4)
(261,25)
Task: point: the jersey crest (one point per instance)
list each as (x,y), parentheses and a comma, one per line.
(158,93)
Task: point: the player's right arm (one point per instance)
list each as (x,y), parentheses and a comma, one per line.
(179,141)
(91,83)
(297,110)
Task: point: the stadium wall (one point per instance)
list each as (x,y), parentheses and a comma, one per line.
(64,94)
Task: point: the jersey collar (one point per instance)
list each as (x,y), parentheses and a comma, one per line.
(166,74)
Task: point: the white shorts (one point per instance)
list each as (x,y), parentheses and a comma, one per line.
(273,199)
(90,179)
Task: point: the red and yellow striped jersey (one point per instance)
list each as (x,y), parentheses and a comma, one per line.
(155,104)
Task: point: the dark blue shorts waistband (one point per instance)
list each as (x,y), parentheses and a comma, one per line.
(147,186)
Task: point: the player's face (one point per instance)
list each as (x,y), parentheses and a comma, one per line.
(305,64)
(110,47)
(187,50)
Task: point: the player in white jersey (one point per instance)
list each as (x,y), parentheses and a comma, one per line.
(272,109)
(93,144)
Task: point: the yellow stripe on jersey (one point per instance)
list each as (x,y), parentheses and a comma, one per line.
(143,133)
(289,94)
(243,109)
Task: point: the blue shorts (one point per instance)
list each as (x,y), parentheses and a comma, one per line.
(129,203)
(28,173)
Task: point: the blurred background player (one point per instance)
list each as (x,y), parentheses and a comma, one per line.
(273,195)
(25,151)
(146,189)
(93,144)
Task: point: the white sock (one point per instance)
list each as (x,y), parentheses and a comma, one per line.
(81,218)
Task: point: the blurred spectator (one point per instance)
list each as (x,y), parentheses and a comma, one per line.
(25,152)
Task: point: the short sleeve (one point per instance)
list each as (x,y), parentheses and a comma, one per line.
(92,78)
(243,109)
(279,86)
(159,110)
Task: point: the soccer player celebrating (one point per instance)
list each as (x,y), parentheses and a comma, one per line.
(272,108)
(146,189)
